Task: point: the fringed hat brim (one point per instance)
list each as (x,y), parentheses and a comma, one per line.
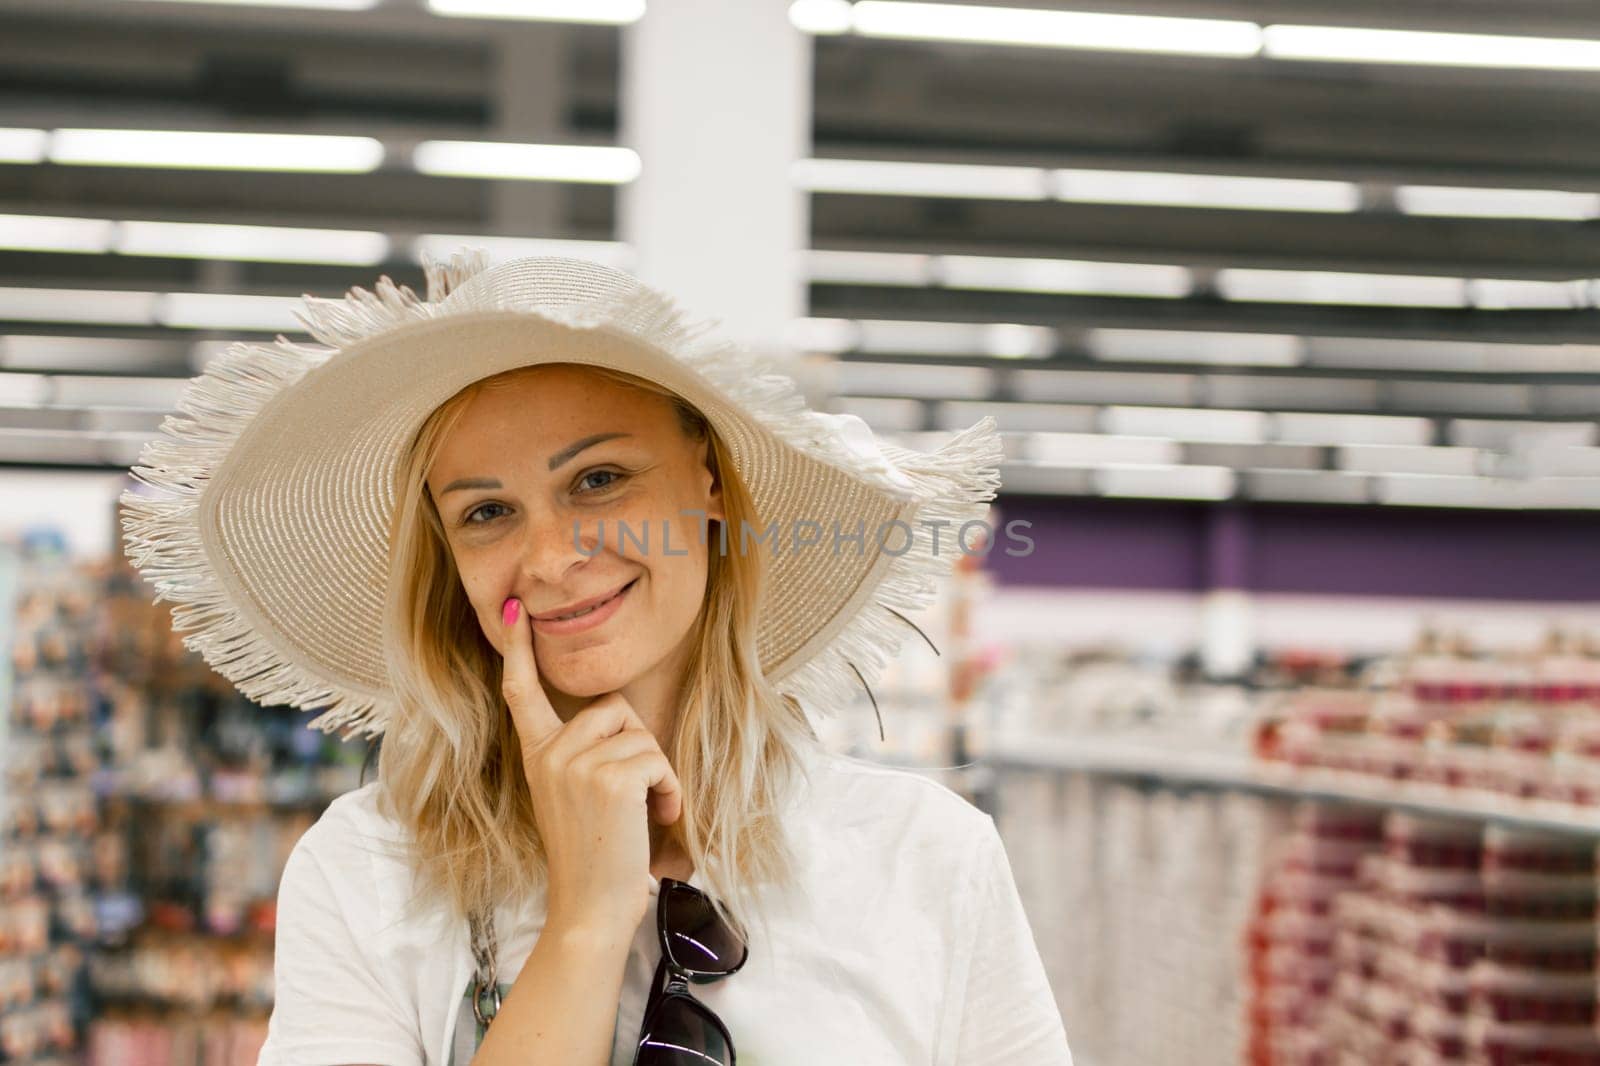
(269,523)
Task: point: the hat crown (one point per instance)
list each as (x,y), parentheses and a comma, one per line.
(552,281)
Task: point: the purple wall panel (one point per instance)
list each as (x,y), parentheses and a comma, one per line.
(1392,551)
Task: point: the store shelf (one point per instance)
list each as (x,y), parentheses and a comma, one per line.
(1188,767)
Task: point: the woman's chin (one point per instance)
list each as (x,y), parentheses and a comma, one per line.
(584,682)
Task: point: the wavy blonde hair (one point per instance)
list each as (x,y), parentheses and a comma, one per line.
(450,768)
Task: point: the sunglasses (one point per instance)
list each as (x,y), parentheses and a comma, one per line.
(696,945)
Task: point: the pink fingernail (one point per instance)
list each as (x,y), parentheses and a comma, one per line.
(511,610)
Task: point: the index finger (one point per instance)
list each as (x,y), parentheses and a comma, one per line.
(530,707)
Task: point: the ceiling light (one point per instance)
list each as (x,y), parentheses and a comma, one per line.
(1361,45)
(602,164)
(204,150)
(1185,346)
(1329,287)
(23,146)
(51,233)
(1159,189)
(1064,276)
(1462,202)
(904,178)
(274,244)
(602,12)
(1059,29)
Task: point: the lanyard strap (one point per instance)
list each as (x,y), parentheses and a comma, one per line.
(485,989)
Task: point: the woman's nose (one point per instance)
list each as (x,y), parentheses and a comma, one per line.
(555,544)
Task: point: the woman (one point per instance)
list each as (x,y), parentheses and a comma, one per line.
(575,818)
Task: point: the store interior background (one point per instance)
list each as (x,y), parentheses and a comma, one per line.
(1290,718)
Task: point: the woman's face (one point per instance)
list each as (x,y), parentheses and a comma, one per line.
(560,446)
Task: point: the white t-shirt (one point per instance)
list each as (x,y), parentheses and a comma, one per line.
(907,944)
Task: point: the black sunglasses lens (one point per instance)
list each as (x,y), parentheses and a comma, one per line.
(697,939)
(681,1033)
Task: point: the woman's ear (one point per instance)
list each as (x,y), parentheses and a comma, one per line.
(714,507)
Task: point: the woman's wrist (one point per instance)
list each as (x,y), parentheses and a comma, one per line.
(588,933)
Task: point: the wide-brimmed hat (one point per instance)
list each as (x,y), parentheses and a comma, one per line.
(266,518)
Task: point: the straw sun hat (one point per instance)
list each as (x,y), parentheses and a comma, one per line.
(263,511)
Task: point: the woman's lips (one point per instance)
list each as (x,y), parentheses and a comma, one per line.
(596,617)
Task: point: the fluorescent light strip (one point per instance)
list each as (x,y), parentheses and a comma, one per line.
(60,353)
(23,146)
(611,253)
(282,244)
(1228,38)
(1055,29)
(1468,356)
(1170,281)
(1186,346)
(211,310)
(600,164)
(51,233)
(1189,424)
(1175,189)
(598,12)
(1362,45)
(1498,294)
(1166,482)
(1409,459)
(869,268)
(268,244)
(1467,202)
(1006,340)
(1329,287)
(1421,490)
(820,16)
(1093,449)
(181,310)
(1298,427)
(902,178)
(101,307)
(1013,274)
(201,150)
(323,5)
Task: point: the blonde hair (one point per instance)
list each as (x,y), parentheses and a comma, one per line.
(450,768)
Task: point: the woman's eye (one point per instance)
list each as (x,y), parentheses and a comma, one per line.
(477,511)
(613,474)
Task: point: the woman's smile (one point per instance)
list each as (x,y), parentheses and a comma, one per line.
(588,619)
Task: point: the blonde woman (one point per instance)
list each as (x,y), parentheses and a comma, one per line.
(585,569)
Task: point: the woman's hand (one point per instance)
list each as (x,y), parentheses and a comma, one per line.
(595,782)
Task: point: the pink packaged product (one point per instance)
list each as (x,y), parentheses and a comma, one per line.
(1555,947)
(1324,857)
(1447,937)
(1422,886)
(1443,1034)
(1575,762)
(1311,936)
(1527,851)
(1355,955)
(1339,821)
(1493,1043)
(1433,842)
(1308,892)
(1529,996)
(1442,987)
(1538,897)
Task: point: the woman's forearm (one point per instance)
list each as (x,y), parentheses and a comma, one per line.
(562,1008)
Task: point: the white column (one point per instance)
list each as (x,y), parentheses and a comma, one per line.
(716,99)
(530,100)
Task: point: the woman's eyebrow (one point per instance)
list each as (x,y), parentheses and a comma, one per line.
(555,460)
(577,446)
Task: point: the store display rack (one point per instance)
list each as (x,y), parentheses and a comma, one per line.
(1152,760)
